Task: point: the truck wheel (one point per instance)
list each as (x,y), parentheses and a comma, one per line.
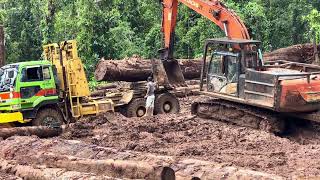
(136,108)
(166,103)
(48,117)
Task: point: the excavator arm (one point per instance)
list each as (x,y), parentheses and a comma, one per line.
(214,10)
(169,72)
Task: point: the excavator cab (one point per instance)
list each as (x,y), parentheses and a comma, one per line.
(225,61)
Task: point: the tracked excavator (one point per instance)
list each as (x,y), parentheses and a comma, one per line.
(242,88)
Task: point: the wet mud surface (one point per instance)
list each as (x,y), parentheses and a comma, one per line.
(186,143)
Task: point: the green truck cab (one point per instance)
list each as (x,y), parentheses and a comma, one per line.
(28,91)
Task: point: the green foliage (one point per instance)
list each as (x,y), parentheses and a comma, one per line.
(313,20)
(117,29)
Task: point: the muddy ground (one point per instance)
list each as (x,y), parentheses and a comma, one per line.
(192,147)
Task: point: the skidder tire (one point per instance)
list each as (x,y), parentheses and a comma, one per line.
(166,103)
(48,117)
(136,108)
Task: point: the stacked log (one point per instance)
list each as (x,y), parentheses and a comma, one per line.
(103,89)
(303,53)
(138,69)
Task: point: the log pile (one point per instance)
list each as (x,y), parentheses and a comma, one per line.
(137,69)
(102,89)
(65,159)
(303,53)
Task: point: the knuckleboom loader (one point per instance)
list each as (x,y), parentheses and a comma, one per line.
(48,92)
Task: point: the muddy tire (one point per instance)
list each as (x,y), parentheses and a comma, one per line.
(48,117)
(166,103)
(136,108)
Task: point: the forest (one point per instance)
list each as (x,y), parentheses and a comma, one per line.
(116,29)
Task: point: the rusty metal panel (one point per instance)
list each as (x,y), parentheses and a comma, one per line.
(260,87)
(259,76)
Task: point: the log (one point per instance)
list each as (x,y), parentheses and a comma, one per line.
(98,93)
(103,89)
(303,53)
(106,86)
(40,131)
(137,69)
(110,167)
(31,172)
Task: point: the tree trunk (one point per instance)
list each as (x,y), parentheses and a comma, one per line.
(136,69)
(303,53)
(110,167)
(316,52)
(2,47)
(106,86)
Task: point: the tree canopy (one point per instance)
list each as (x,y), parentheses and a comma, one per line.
(117,29)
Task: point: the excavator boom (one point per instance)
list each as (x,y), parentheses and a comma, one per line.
(214,10)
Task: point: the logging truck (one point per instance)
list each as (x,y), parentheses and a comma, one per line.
(55,91)
(48,92)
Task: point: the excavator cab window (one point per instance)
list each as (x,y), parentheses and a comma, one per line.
(228,61)
(223,73)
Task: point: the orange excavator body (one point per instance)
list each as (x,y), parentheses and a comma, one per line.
(299,95)
(283,87)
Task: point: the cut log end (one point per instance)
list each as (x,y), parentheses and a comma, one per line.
(167,173)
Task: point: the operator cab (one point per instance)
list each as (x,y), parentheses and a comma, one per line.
(226,61)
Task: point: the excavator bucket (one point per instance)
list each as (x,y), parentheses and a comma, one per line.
(174,73)
(168,73)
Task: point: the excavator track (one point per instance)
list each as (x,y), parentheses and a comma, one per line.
(239,114)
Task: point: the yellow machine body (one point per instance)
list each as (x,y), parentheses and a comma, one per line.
(73,67)
(73,81)
(11,117)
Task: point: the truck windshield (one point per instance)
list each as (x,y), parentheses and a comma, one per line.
(8,75)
